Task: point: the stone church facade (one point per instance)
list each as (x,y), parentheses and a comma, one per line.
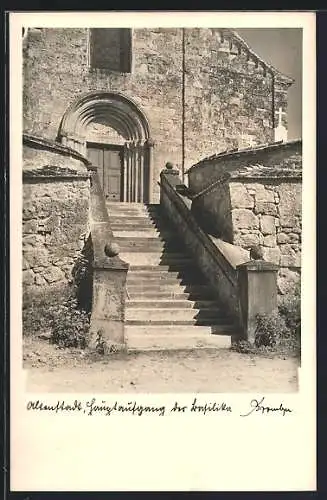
(136,98)
(104,110)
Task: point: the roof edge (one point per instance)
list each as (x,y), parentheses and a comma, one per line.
(246,151)
(278,74)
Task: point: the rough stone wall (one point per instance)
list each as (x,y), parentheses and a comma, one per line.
(229,95)
(57,72)
(254,198)
(101,133)
(34,159)
(258,212)
(215,216)
(268,214)
(274,156)
(55,219)
(55,222)
(228,92)
(221,277)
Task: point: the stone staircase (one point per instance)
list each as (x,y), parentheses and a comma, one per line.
(169,304)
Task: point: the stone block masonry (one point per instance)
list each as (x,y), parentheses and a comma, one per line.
(54,220)
(54,225)
(256,201)
(274,225)
(202,90)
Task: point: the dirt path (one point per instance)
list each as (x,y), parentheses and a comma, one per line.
(54,370)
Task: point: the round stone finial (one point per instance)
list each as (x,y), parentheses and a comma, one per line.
(169,165)
(256,253)
(111,249)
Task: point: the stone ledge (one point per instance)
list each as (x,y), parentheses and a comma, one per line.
(268,67)
(53,173)
(262,172)
(101,232)
(248,152)
(258,265)
(110,264)
(222,260)
(36,142)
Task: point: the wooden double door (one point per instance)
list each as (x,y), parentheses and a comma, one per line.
(109,160)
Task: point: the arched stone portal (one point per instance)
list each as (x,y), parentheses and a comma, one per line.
(131,172)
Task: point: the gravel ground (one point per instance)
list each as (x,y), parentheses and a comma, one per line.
(57,370)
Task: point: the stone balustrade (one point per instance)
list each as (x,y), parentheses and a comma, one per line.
(245,287)
(109,275)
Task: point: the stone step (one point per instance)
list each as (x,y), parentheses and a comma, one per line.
(173,315)
(161,268)
(169,338)
(133,209)
(138,218)
(180,343)
(152,257)
(123,218)
(141,258)
(165,275)
(171,304)
(158,273)
(226,327)
(165,280)
(171,258)
(134,234)
(182,330)
(171,287)
(131,204)
(168,295)
(143,212)
(143,240)
(142,226)
(130,225)
(145,234)
(158,249)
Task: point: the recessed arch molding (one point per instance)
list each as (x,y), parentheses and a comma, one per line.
(125,116)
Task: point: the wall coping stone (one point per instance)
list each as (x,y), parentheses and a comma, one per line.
(101,233)
(248,152)
(277,74)
(252,176)
(49,173)
(222,260)
(251,279)
(36,142)
(235,254)
(258,265)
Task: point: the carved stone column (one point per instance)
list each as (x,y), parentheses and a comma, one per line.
(136,171)
(149,144)
(141,172)
(132,179)
(129,173)
(257,283)
(125,173)
(108,307)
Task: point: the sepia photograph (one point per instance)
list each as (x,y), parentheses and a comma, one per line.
(162,251)
(161,211)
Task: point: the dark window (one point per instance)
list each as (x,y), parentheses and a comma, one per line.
(110,48)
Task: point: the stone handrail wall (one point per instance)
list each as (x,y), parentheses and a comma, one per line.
(109,275)
(213,263)
(55,225)
(244,287)
(262,212)
(255,200)
(203,176)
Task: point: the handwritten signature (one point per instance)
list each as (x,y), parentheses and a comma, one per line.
(257,405)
